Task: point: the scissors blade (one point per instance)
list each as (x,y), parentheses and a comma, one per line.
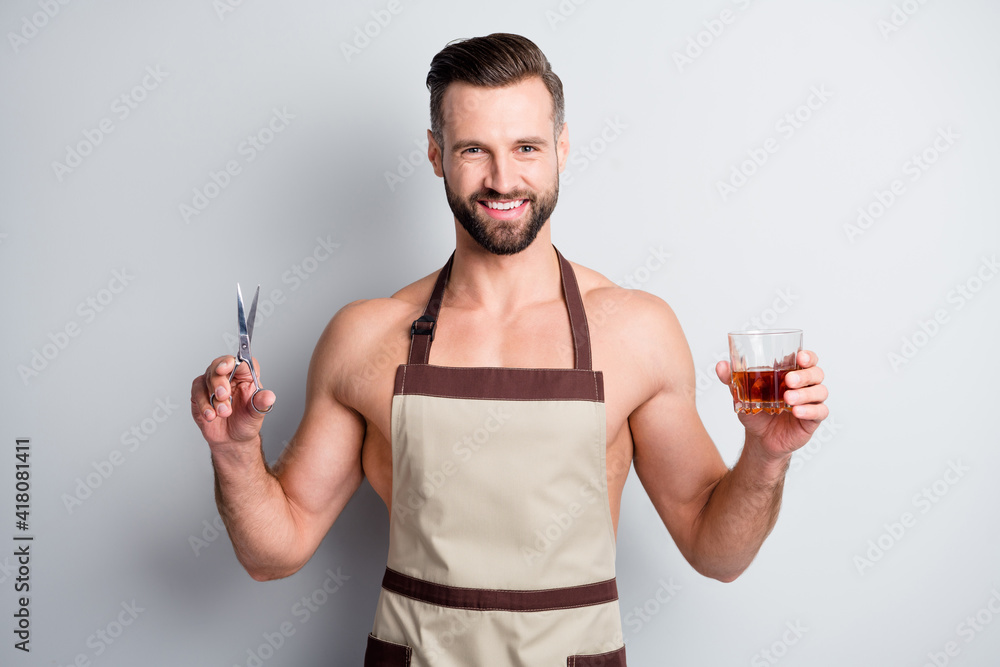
(253,313)
(241,319)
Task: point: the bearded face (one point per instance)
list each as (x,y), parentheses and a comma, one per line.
(500,156)
(503,223)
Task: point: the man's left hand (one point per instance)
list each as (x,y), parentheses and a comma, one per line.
(781,434)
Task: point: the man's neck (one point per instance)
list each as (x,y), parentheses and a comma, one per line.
(481,280)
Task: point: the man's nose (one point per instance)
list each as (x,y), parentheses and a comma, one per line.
(502,176)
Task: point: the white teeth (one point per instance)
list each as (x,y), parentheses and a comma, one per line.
(500,206)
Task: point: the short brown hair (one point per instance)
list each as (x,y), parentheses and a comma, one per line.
(494,61)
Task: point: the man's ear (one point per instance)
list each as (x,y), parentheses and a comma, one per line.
(435,155)
(562,146)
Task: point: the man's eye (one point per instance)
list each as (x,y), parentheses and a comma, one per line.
(472,150)
(528,149)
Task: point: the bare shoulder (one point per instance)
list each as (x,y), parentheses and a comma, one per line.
(645,315)
(368,337)
(637,331)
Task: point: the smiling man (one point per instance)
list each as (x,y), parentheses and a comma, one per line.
(502,463)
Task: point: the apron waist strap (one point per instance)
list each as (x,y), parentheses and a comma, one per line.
(485,599)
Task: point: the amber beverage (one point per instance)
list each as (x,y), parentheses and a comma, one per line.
(761,389)
(759,362)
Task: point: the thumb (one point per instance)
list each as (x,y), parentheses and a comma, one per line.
(263,401)
(722,370)
(252,406)
(246,421)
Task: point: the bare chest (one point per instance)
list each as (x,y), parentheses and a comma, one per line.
(540,338)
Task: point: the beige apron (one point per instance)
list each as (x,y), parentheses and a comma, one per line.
(501,545)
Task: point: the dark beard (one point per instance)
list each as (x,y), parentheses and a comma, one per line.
(501,237)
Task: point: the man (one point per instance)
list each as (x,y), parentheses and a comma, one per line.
(502,431)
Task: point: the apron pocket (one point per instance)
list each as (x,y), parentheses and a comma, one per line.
(609,659)
(386,654)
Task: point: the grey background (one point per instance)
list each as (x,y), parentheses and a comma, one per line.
(780,242)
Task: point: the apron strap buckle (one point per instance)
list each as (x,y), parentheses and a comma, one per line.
(423,329)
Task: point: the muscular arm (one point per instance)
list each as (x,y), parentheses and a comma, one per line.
(718,517)
(277,517)
(739,514)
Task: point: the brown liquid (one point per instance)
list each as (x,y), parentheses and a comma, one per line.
(761,390)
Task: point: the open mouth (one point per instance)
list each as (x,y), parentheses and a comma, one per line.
(503,209)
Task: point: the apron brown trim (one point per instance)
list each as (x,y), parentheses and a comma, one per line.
(483,599)
(577,314)
(609,659)
(380,653)
(515,384)
(422,329)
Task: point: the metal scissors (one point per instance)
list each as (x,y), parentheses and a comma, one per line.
(243,353)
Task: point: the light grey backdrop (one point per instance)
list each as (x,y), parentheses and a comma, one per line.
(825,165)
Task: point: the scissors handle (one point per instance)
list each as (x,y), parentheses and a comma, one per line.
(240,359)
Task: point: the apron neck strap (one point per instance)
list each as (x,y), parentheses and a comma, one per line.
(422,329)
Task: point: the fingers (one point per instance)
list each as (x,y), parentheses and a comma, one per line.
(204,387)
(216,385)
(201,409)
(806,393)
(239,406)
(808,374)
(806,359)
(722,370)
(812,394)
(811,412)
(223,385)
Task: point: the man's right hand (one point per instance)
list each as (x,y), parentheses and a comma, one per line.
(232,421)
